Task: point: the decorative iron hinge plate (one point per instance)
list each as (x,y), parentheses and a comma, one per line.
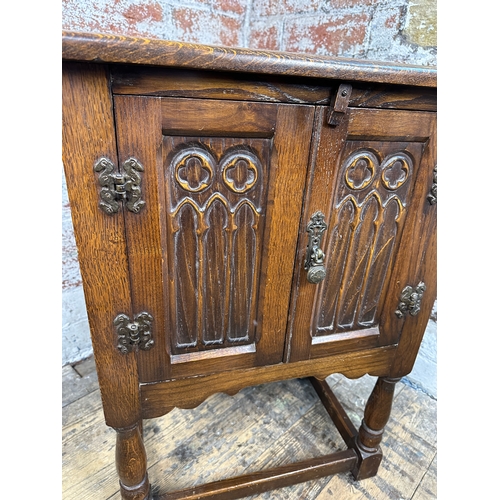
(338,106)
(410,300)
(134,333)
(116,187)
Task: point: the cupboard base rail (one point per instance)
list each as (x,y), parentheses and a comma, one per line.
(278,477)
(355,459)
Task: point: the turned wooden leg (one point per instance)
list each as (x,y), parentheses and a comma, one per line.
(131,464)
(377,413)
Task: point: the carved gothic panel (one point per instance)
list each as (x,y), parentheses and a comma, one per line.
(368,209)
(216,198)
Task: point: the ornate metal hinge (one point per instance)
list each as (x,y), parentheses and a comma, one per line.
(410,300)
(432,197)
(118,187)
(338,106)
(134,333)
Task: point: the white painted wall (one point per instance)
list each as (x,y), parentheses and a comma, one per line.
(76,344)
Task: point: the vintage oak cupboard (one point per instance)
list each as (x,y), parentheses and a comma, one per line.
(243,217)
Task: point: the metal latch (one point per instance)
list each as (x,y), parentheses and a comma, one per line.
(314,263)
(116,187)
(338,106)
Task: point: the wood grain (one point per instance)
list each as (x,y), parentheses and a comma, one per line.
(240,119)
(121,49)
(286,188)
(420,263)
(366,180)
(263,426)
(168,82)
(394,97)
(171,252)
(393,125)
(131,464)
(88,134)
(335,410)
(216,213)
(159,398)
(138,127)
(376,415)
(251,484)
(229,185)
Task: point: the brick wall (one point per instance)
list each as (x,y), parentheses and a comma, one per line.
(392,30)
(387,30)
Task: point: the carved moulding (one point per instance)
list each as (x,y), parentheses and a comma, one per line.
(368,210)
(215,222)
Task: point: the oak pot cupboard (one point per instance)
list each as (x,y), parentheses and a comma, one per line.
(244,217)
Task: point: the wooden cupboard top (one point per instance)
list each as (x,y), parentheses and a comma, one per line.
(107,48)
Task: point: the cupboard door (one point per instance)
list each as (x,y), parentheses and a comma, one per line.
(363,178)
(211,253)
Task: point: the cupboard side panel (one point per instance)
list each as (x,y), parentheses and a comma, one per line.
(420,264)
(87,135)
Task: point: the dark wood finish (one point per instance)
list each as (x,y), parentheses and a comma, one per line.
(160,398)
(218,118)
(285,475)
(422,262)
(334,408)
(170,82)
(88,134)
(210,197)
(297,423)
(235,162)
(394,97)
(131,464)
(122,49)
(377,413)
(376,156)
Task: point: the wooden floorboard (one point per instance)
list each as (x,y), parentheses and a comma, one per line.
(260,427)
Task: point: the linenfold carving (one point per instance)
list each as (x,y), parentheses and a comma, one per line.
(216,201)
(368,208)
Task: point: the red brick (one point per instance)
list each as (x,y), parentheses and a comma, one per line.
(340,4)
(327,35)
(392,21)
(264,36)
(233,6)
(112,16)
(144,12)
(262,8)
(200,26)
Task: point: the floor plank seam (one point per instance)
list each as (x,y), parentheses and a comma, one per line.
(424,475)
(79,398)
(417,387)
